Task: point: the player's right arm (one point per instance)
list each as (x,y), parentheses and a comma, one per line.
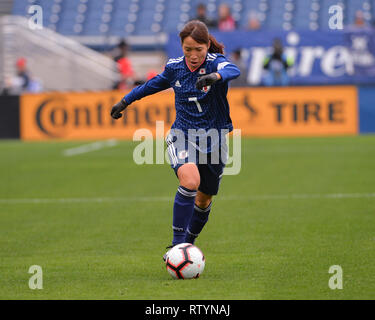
(154,85)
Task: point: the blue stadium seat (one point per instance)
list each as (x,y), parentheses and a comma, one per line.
(281,14)
(148,17)
(307,15)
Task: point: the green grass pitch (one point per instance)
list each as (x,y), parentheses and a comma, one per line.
(98,224)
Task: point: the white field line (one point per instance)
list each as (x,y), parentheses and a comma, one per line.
(167,199)
(307,149)
(89,147)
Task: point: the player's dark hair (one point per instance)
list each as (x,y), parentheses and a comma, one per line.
(199,32)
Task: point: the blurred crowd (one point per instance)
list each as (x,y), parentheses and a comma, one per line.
(275,66)
(225,20)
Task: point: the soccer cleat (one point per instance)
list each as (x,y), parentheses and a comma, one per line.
(165,256)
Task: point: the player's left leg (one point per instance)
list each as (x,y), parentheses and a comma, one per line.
(210,178)
(203,200)
(202,208)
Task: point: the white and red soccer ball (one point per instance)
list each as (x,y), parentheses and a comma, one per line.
(185,261)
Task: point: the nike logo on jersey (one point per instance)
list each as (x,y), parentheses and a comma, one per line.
(177,84)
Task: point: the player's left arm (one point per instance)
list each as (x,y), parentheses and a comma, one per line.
(226,71)
(154,85)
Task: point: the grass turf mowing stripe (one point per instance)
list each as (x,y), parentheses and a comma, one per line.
(165,199)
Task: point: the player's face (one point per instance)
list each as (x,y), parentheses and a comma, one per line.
(194,52)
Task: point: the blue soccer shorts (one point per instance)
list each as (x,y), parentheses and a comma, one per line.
(210,165)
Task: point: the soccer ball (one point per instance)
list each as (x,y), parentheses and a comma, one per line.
(185,261)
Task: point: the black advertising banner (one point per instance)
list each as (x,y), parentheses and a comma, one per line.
(9,117)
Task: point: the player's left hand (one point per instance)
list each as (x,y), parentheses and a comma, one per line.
(206,80)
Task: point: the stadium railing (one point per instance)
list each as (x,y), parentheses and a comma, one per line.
(62,63)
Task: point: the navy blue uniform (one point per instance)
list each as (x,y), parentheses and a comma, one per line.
(202,110)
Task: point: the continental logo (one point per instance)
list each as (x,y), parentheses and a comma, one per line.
(309,111)
(87,115)
(54,117)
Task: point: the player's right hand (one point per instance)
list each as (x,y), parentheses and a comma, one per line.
(118,108)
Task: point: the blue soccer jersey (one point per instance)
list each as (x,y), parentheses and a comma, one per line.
(195,109)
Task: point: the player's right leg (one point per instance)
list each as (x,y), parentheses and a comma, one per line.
(183,207)
(188,175)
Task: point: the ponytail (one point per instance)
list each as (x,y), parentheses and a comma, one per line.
(215,46)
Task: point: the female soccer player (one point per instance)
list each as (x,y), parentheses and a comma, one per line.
(200,82)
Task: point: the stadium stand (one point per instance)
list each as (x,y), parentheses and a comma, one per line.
(150,17)
(146,24)
(6,7)
(49,54)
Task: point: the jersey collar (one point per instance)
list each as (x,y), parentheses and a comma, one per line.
(195,68)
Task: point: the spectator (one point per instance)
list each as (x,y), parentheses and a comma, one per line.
(22,82)
(120,51)
(124,67)
(202,16)
(237,59)
(226,21)
(276,66)
(151,74)
(359,20)
(253,22)
(23,74)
